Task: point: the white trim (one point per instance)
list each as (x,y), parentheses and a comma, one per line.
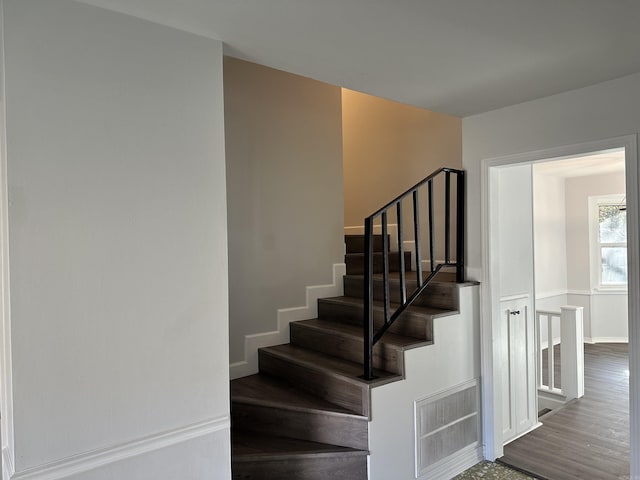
(253,342)
(91,460)
(583,293)
(607,340)
(6,370)
(464,458)
(522,434)
(492,370)
(609,291)
(550,400)
(550,294)
(455,464)
(517,296)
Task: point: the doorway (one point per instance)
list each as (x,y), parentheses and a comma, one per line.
(493,361)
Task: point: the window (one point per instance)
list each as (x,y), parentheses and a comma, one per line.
(612,237)
(609,246)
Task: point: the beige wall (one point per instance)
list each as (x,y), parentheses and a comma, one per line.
(578,191)
(388,147)
(285,197)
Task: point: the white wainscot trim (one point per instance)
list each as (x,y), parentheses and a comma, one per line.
(253,342)
(606,340)
(550,294)
(584,293)
(91,460)
(511,298)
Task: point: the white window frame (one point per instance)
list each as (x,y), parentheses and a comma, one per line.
(594,241)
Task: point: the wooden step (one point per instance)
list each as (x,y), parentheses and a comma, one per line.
(265,404)
(355,262)
(345,341)
(355,243)
(416,322)
(332,379)
(438,294)
(267,457)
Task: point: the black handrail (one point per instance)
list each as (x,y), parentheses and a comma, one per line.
(371,336)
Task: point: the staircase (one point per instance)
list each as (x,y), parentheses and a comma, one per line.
(305,415)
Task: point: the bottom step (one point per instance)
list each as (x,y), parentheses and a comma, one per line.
(257,457)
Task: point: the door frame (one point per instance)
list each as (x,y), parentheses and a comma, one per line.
(491,363)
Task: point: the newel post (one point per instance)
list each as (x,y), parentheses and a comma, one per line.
(572,351)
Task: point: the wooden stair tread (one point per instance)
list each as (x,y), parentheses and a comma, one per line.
(410,276)
(444,278)
(427,312)
(252,446)
(266,390)
(355,331)
(349,371)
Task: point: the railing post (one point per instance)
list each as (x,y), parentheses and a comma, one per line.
(572,351)
(460,207)
(368,299)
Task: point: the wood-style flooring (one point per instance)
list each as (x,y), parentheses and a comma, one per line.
(589,437)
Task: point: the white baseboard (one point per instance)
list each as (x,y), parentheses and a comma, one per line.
(253,342)
(91,460)
(550,400)
(606,339)
(550,294)
(522,434)
(392,231)
(454,464)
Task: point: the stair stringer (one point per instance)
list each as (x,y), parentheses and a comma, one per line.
(452,360)
(285,316)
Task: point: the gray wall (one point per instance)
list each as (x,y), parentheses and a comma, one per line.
(285,198)
(118,245)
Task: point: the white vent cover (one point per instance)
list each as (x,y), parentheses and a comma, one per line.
(446,424)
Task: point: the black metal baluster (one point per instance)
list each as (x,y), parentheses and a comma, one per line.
(385,267)
(460,207)
(416,230)
(403,283)
(432,237)
(447,218)
(368,299)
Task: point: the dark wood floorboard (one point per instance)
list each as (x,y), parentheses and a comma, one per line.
(589,437)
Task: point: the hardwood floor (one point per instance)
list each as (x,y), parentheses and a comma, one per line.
(588,438)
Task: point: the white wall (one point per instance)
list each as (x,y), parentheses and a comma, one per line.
(515,238)
(604,111)
(118,249)
(285,195)
(607,110)
(563,253)
(549,234)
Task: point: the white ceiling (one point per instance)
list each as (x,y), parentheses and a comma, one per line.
(453,56)
(596,164)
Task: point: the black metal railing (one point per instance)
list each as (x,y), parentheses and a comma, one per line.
(371,336)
